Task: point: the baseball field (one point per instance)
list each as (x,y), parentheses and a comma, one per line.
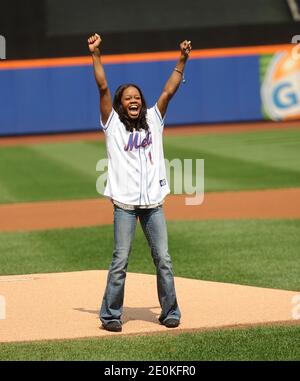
(246,233)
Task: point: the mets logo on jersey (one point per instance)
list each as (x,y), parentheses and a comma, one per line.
(133,141)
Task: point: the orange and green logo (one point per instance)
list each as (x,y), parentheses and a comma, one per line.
(280,85)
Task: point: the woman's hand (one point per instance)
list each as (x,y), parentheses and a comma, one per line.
(94,43)
(185,48)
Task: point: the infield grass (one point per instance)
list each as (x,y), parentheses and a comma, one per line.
(239,161)
(261,253)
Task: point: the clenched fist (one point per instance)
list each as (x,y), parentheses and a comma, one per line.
(94,42)
(185,48)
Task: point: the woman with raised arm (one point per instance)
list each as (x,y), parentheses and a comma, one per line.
(136,184)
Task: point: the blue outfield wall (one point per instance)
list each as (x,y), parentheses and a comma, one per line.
(58,99)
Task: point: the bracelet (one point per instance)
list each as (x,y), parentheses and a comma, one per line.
(180,72)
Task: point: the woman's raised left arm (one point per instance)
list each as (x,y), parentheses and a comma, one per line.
(175,78)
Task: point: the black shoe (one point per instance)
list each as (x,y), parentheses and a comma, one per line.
(171,323)
(113,326)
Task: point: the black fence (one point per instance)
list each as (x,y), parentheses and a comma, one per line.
(59,28)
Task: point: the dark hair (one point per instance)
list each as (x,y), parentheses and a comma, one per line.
(130,124)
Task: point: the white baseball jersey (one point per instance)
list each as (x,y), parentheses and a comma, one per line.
(136,167)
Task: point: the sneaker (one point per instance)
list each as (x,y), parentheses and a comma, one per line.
(171,323)
(113,326)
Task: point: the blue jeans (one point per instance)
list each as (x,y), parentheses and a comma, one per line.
(154,226)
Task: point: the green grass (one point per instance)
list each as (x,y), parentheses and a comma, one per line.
(252,160)
(48,172)
(249,160)
(256,252)
(263,343)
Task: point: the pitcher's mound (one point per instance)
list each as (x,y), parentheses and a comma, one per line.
(65,305)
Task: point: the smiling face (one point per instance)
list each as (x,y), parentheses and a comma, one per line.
(132,102)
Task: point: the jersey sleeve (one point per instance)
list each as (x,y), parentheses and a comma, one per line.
(156,118)
(108,125)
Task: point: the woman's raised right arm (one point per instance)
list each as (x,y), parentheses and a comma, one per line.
(105,97)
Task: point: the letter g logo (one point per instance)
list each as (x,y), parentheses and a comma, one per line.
(284,96)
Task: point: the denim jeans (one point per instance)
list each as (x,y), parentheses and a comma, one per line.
(154,227)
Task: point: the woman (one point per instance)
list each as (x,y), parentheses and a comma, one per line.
(136,184)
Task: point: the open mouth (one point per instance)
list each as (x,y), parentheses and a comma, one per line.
(133,110)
